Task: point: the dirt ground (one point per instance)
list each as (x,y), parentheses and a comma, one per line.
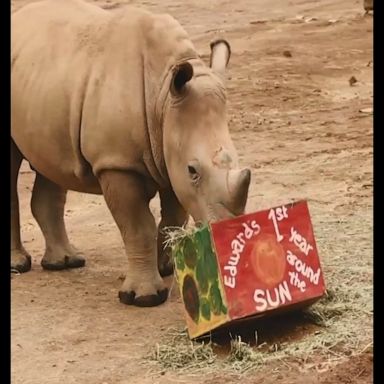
(297,122)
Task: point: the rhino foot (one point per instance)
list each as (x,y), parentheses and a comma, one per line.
(143,289)
(166,269)
(165,263)
(67,261)
(20,260)
(130,298)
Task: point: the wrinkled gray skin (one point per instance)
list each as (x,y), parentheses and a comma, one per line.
(120,104)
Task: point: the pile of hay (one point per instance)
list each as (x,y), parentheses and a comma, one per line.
(334,341)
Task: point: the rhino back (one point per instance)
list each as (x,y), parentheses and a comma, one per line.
(84,87)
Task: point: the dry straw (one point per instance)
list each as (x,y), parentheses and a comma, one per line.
(335,340)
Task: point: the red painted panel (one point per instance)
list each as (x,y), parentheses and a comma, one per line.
(268,259)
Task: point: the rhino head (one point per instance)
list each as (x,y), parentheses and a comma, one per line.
(200,157)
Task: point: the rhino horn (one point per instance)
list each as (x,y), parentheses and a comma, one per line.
(238,185)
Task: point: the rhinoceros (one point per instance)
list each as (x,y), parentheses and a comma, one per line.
(119,103)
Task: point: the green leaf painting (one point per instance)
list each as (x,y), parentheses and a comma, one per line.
(194,256)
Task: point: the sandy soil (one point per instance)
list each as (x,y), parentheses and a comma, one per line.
(296,122)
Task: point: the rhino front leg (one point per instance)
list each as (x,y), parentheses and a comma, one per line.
(20,259)
(128,200)
(172,215)
(47,204)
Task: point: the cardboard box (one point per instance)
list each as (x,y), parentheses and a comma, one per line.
(249,266)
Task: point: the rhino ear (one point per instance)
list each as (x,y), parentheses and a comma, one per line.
(182,73)
(220,54)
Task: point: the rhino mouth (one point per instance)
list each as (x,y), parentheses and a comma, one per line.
(217,212)
(220,211)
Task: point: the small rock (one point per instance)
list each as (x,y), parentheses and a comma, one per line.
(287,53)
(352,81)
(366,110)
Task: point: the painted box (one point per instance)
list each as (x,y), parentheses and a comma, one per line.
(249,266)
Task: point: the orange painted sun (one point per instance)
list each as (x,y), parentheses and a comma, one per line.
(268,260)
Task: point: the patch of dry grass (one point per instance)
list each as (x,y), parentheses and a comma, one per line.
(334,341)
(174,235)
(242,357)
(177,352)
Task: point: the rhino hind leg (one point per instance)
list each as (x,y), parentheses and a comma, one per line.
(20,259)
(172,215)
(128,199)
(47,204)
